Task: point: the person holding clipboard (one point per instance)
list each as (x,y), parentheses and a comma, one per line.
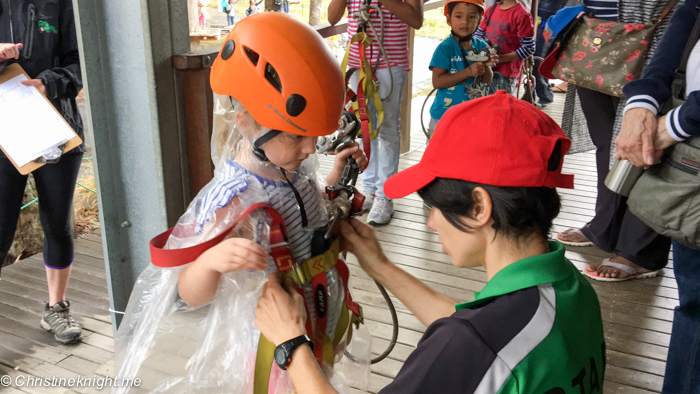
(40,36)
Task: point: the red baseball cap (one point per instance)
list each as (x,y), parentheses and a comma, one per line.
(496,140)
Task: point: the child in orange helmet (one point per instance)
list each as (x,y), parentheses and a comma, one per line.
(278,88)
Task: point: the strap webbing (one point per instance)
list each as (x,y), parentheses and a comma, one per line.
(168,258)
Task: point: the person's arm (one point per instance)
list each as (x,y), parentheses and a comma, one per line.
(442,79)
(199,279)
(426,304)
(684,121)
(653,89)
(409,12)
(336,10)
(65,80)
(280,317)
(526,36)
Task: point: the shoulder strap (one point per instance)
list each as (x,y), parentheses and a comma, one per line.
(169,258)
(493,8)
(671,5)
(692,41)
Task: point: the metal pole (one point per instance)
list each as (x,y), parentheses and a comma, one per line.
(136,113)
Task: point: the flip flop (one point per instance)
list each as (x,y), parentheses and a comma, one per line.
(631,272)
(570,243)
(561,88)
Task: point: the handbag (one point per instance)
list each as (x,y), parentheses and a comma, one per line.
(667,196)
(603,55)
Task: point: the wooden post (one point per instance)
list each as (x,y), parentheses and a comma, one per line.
(407,98)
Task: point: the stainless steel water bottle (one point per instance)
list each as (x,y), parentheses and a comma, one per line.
(622,177)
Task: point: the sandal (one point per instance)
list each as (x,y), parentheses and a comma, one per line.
(561,88)
(632,273)
(572,243)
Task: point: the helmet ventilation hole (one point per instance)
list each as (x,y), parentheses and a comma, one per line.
(252,55)
(272,77)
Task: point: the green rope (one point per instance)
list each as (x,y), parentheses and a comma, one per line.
(29,203)
(85,187)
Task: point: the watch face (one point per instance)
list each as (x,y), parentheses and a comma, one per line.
(280,357)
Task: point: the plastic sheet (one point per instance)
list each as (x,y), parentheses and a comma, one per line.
(174,348)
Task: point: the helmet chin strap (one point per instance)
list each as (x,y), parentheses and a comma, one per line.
(461,39)
(260,154)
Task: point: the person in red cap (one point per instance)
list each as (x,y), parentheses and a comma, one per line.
(536,325)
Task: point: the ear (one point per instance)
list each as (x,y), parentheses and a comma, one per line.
(447,18)
(483,206)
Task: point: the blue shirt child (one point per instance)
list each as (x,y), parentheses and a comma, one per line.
(448,56)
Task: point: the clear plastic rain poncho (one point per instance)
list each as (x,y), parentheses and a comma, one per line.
(174,348)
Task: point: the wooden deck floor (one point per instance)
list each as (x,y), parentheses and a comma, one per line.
(637,314)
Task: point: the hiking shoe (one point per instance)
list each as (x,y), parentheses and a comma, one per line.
(369,201)
(381,212)
(57,319)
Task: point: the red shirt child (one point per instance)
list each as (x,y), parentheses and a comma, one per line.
(511,27)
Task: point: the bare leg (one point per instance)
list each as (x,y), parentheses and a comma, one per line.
(58,283)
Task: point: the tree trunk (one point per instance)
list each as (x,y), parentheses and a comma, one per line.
(315,12)
(270,5)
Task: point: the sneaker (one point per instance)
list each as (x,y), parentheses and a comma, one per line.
(369,201)
(58,320)
(381,212)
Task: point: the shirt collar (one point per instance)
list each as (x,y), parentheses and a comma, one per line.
(532,271)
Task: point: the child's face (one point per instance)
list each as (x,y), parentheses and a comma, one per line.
(464,19)
(289,150)
(286,150)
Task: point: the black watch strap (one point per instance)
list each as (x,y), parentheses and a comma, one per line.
(283,352)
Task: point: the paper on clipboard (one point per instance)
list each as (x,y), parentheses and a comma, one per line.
(31,127)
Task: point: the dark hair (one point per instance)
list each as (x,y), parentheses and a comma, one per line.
(451,6)
(517,212)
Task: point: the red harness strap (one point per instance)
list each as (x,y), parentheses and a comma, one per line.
(344,273)
(168,258)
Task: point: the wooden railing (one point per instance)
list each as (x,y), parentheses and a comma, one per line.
(195,68)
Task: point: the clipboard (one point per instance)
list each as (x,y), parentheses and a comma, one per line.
(11,71)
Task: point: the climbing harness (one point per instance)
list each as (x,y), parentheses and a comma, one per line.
(368,83)
(346,201)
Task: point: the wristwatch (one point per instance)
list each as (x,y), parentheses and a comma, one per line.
(283,352)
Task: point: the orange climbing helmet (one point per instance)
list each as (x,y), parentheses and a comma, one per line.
(479,3)
(283,73)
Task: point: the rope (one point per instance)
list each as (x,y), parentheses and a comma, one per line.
(363,20)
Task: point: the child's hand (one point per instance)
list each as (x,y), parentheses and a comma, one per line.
(235,254)
(493,60)
(341,159)
(354,151)
(477,69)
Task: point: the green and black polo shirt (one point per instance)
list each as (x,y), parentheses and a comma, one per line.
(534,328)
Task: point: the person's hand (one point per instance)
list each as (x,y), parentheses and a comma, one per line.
(493,60)
(477,69)
(37,83)
(359,239)
(342,156)
(281,314)
(636,139)
(234,254)
(662,139)
(9,51)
